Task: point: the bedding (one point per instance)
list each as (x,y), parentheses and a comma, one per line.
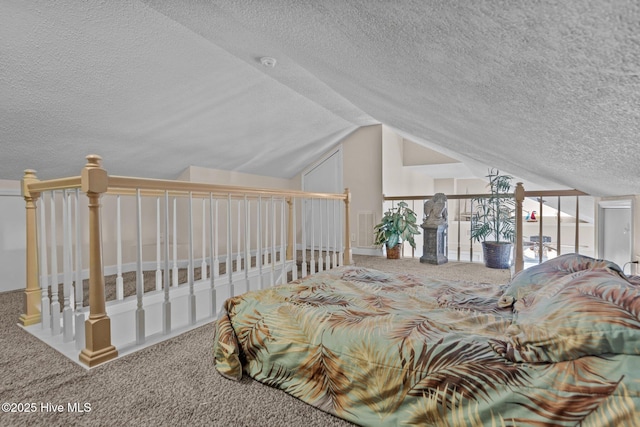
(558,345)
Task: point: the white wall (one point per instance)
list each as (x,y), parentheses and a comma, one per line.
(12,237)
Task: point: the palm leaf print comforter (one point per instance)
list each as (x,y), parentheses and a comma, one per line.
(558,345)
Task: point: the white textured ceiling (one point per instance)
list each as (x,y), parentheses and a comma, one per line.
(544,90)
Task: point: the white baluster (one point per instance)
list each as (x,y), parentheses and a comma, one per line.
(55,304)
(247,243)
(158,248)
(166,304)
(119,280)
(174,271)
(203,264)
(80,319)
(140,326)
(266,233)
(341,232)
(303,230)
(327,261)
(67,311)
(312,259)
(215,250)
(45,310)
(273,243)
(335,232)
(238,255)
(192,297)
(320,267)
(295,237)
(229,267)
(259,243)
(283,242)
(212,298)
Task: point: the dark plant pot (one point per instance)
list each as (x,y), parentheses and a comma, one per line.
(394,252)
(497,254)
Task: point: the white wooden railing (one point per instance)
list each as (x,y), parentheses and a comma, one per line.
(86,234)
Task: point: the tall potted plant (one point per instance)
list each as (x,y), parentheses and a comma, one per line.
(398,224)
(493,221)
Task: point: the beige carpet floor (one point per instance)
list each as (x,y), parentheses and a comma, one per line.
(171,383)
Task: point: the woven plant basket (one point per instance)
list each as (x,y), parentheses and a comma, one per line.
(394,253)
(497,254)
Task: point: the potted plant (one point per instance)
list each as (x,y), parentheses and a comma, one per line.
(493,221)
(398,224)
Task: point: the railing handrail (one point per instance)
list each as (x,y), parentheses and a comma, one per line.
(125,185)
(533,193)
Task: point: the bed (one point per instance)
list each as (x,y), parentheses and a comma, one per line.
(558,345)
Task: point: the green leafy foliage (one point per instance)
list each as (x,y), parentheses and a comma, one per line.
(398,224)
(493,217)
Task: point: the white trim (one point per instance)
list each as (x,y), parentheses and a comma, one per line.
(11,192)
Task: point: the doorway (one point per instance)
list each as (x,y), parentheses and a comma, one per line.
(615,232)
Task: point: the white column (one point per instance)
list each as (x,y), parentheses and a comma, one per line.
(140,326)
(45,309)
(119,280)
(55,304)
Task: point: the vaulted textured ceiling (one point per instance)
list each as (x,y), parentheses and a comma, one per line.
(545,90)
